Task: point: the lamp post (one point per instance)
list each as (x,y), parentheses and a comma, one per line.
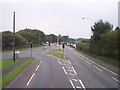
(14,36)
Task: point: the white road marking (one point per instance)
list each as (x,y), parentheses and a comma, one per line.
(75,80)
(74,70)
(37,67)
(66,64)
(108,70)
(72,74)
(116,79)
(40,62)
(88,62)
(82,84)
(30,79)
(59,62)
(72,84)
(101,66)
(69,62)
(64,70)
(70,70)
(97,68)
(78,87)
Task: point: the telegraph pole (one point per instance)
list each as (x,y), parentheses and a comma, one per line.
(14,36)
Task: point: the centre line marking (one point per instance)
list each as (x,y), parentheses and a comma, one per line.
(30,79)
(74,70)
(97,68)
(82,84)
(116,79)
(72,84)
(64,70)
(37,67)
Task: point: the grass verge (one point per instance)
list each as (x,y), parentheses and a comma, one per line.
(8,77)
(105,59)
(57,53)
(7,62)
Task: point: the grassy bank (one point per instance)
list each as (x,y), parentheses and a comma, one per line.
(57,53)
(105,59)
(8,77)
(7,62)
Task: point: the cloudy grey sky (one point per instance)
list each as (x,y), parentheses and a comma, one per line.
(58,16)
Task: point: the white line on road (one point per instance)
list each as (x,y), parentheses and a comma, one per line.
(116,79)
(82,84)
(97,68)
(74,70)
(108,70)
(66,64)
(72,84)
(30,79)
(69,62)
(37,67)
(59,62)
(88,62)
(40,62)
(78,87)
(75,80)
(64,70)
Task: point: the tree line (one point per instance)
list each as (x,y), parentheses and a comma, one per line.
(24,37)
(104,40)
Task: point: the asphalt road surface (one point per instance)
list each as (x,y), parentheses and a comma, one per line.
(48,71)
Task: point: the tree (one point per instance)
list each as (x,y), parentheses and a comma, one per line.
(66,39)
(51,38)
(32,35)
(7,40)
(98,29)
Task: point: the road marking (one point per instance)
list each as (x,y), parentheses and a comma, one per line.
(88,62)
(97,68)
(82,84)
(108,70)
(78,87)
(66,64)
(30,79)
(116,79)
(37,67)
(72,84)
(59,62)
(74,70)
(69,62)
(40,62)
(72,74)
(101,66)
(75,80)
(64,70)
(69,70)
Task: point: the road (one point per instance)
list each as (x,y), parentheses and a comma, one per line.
(48,71)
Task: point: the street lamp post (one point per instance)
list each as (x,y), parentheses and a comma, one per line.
(14,36)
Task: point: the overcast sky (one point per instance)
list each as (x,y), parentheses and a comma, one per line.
(58,16)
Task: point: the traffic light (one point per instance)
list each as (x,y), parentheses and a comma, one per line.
(63,45)
(49,43)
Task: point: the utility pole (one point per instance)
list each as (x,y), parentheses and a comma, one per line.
(14,36)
